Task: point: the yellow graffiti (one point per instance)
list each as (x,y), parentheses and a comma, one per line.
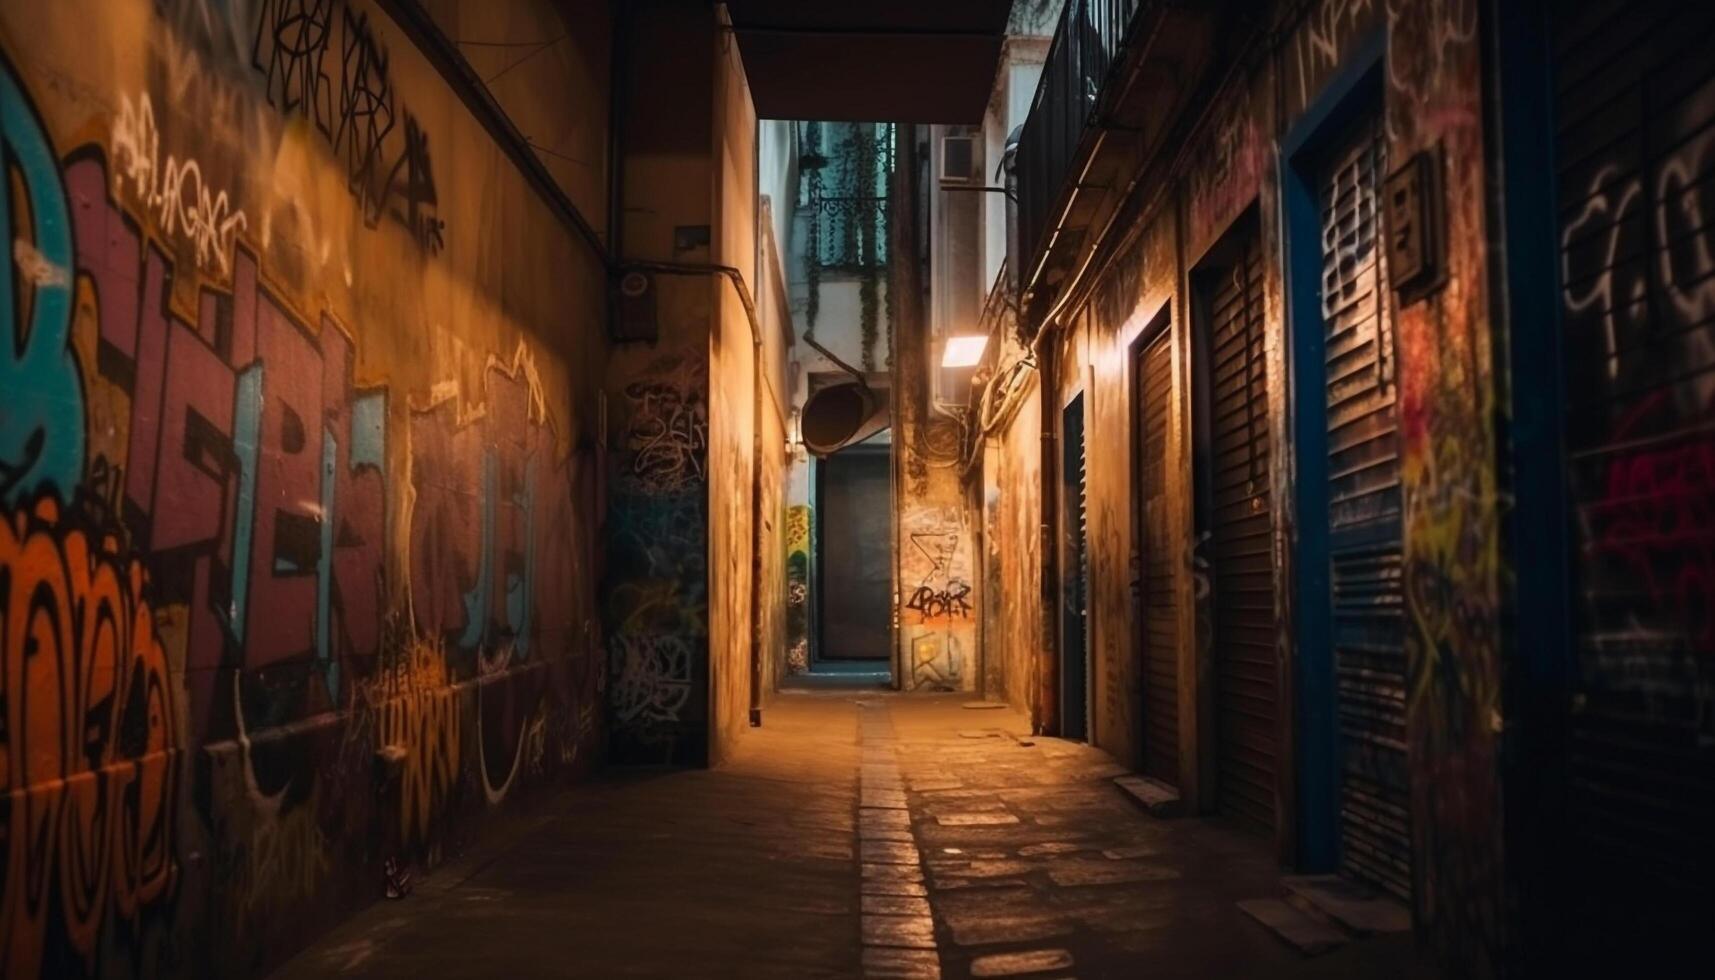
(418,720)
(798,529)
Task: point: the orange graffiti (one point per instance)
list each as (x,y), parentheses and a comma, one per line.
(418,717)
(88,749)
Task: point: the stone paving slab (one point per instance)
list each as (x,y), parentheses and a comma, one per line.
(1304,931)
(1085,872)
(915,931)
(759,869)
(1016,964)
(912,964)
(1355,907)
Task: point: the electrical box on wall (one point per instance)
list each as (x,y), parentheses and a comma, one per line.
(1414,219)
(634,308)
(958,159)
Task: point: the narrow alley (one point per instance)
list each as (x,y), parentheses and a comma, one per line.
(908,834)
(857,488)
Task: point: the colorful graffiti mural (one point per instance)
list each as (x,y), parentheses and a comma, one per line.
(798,518)
(264,625)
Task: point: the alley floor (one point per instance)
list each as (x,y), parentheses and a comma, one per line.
(857,833)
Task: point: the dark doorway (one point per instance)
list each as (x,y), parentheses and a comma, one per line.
(1074,635)
(855,529)
(1158,624)
(1356,784)
(1234,524)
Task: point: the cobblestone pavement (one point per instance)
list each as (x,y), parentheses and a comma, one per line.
(1036,865)
(857,833)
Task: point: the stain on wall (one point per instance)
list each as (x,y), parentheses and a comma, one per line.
(295,509)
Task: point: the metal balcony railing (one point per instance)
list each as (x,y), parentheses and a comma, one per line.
(1086,44)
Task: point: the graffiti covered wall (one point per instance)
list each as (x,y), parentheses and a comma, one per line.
(295,512)
(799,629)
(656,586)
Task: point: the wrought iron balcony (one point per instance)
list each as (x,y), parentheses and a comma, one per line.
(1087,44)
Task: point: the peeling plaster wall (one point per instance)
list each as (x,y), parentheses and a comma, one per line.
(298,503)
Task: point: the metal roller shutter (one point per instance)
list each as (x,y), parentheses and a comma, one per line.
(1159,623)
(1634,95)
(1246,688)
(1364,520)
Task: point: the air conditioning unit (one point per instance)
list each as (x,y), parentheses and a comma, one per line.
(958,159)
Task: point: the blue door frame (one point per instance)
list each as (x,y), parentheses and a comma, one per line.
(1355,89)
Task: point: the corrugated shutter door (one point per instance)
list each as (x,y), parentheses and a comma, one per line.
(1635,145)
(1160,647)
(1246,689)
(1364,521)
(1084,567)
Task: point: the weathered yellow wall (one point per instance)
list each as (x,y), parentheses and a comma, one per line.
(733,416)
(300,387)
(774,536)
(1016,606)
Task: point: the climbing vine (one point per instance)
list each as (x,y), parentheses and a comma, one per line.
(847,220)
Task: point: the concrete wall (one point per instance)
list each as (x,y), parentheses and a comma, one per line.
(777,536)
(1012,610)
(299,494)
(935,545)
(656,591)
(688,408)
(734,390)
(525,48)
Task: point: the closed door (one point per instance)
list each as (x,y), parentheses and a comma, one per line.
(1158,633)
(1634,107)
(1239,523)
(856,558)
(1362,470)
(1075,578)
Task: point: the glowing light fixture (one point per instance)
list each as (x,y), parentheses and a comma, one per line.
(962,352)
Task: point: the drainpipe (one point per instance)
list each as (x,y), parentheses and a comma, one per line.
(1046,716)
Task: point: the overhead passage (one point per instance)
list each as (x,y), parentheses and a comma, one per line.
(871,60)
